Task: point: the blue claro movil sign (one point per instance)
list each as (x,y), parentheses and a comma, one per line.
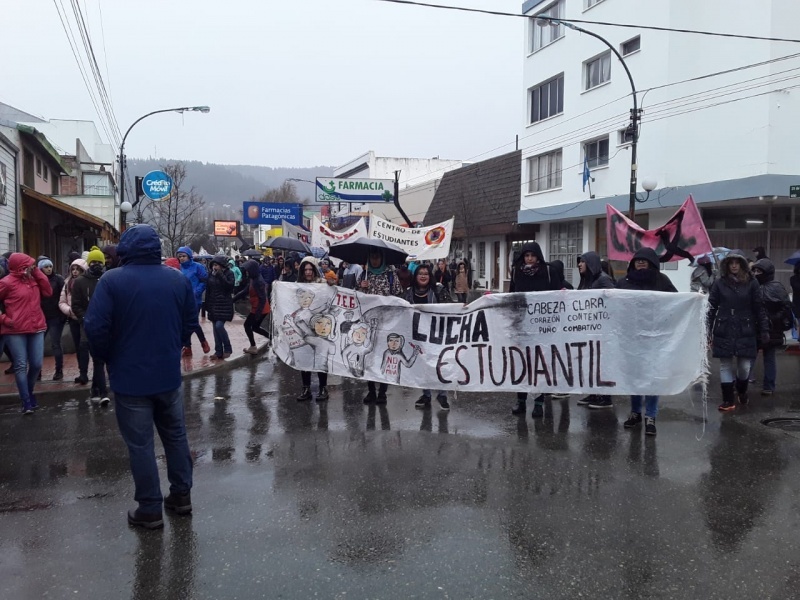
(157,185)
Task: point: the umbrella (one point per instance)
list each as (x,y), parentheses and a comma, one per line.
(203,256)
(358,251)
(287,243)
(253,252)
(717,253)
(794,259)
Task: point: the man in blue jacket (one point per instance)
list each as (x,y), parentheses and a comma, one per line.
(138,317)
(197,276)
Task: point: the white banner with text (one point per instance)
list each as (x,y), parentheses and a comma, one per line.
(604,342)
(421,243)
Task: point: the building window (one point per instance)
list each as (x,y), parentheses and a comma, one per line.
(597,70)
(624,136)
(544,172)
(481,259)
(543,35)
(597,152)
(591,3)
(566,244)
(54,186)
(547,99)
(631,46)
(96,184)
(38,166)
(44,172)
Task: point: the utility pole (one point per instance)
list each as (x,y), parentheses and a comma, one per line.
(397,198)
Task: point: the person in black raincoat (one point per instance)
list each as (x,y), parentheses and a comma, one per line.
(423,290)
(219,304)
(530,273)
(779,315)
(737,321)
(256,291)
(644,273)
(593,277)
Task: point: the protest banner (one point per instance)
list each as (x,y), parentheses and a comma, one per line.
(293,231)
(323,237)
(683,236)
(421,243)
(606,341)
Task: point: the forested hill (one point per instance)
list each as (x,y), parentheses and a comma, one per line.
(232,184)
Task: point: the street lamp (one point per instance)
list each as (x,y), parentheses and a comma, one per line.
(126,207)
(544,21)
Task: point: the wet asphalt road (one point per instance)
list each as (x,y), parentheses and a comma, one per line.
(299,501)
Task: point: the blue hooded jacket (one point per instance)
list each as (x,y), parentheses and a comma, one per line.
(139,314)
(197,274)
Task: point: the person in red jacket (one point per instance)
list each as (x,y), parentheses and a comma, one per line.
(22,323)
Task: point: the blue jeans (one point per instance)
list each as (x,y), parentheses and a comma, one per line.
(770,368)
(733,368)
(650,405)
(438,393)
(55,327)
(135,417)
(222,343)
(27,350)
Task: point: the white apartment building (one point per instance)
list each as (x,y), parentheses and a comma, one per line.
(710,127)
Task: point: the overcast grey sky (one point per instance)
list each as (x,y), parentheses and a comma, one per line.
(289,82)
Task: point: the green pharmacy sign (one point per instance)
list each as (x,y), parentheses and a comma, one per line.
(331,189)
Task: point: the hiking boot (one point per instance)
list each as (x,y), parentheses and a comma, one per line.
(601,402)
(587,400)
(59,375)
(443,403)
(251,350)
(180,504)
(635,420)
(381,399)
(136,518)
(370,397)
(322,395)
(305,395)
(741,391)
(538,411)
(204,345)
(520,409)
(649,426)
(187,351)
(728,400)
(423,402)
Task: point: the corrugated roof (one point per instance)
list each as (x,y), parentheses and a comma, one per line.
(479,195)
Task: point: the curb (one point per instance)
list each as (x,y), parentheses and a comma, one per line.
(43,396)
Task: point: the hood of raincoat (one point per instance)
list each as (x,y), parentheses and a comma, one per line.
(139,245)
(649,255)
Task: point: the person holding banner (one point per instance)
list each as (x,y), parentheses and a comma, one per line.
(593,277)
(644,273)
(424,291)
(380,280)
(737,320)
(530,273)
(315,332)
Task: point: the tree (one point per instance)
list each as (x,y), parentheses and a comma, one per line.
(285,194)
(178,220)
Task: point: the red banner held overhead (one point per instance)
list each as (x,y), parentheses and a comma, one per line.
(683,236)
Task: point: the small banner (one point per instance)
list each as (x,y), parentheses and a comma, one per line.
(605,342)
(293,231)
(323,237)
(683,236)
(421,243)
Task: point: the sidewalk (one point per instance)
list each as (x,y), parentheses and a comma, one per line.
(191,365)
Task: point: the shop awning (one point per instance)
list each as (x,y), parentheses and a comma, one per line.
(105,230)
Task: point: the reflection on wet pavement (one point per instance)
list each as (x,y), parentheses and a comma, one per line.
(343,499)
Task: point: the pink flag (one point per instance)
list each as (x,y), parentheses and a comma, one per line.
(683,236)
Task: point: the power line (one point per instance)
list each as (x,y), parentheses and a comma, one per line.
(73,46)
(606,23)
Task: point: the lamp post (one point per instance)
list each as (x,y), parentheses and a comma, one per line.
(543,21)
(126,207)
